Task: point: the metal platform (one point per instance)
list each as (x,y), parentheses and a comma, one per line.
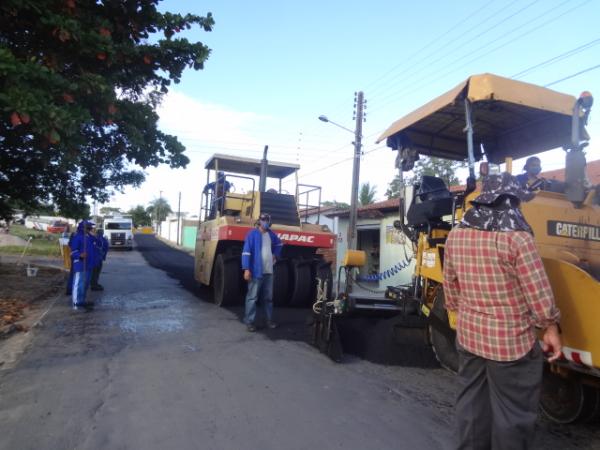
(364,300)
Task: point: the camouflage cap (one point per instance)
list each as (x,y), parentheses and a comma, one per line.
(498,185)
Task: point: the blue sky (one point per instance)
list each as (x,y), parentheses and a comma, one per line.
(276,66)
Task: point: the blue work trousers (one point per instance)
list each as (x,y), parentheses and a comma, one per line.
(81,282)
(259,290)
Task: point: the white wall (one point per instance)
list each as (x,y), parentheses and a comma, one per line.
(322,220)
(395,247)
(168,229)
(392,248)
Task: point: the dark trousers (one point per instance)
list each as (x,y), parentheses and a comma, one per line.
(497,406)
(69,289)
(96,274)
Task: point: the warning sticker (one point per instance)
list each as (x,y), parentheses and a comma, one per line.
(429,259)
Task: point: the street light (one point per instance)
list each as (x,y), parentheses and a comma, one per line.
(355,167)
(325,119)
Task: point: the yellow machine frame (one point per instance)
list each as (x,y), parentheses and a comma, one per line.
(513,119)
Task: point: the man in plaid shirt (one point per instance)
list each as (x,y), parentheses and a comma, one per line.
(495,280)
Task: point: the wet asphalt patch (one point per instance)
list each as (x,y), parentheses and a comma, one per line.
(379,340)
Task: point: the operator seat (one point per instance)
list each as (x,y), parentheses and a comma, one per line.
(432,200)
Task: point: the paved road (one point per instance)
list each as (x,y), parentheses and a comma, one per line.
(156,366)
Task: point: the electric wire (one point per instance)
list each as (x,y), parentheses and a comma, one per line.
(415,70)
(568,77)
(424,81)
(470,16)
(430,43)
(557,58)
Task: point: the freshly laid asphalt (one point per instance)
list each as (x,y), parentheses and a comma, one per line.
(157,366)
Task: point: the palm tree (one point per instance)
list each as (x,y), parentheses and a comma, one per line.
(159,209)
(367,194)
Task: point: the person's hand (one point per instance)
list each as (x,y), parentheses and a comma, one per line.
(247,275)
(552,342)
(83,255)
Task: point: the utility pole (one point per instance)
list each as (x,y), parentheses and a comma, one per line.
(359,116)
(178,216)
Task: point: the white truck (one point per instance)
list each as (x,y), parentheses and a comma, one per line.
(119,231)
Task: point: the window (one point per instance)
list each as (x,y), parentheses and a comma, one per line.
(117,226)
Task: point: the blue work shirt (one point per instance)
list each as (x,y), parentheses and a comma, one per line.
(83,242)
(251,254)
(103,245)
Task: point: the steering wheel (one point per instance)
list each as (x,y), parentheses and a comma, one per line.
(538,184)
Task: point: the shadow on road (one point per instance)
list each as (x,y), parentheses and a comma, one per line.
(376,340)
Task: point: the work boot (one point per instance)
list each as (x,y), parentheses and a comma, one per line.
(271,325)
(251,328)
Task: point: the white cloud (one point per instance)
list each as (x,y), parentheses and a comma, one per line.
(206,129)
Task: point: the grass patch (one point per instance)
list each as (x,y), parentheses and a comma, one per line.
(37,248)
(42,242)
(25,233)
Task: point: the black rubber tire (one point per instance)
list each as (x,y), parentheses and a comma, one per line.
(300,283)
(226,282)
(562,400)
(591,407)
(444,346)
(281,285)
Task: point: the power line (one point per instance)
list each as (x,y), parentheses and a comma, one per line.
(557,58)
(589,69)
(423,84)
(487,44)
(576,50)
(552,60)
(433,41)
(429,44)
(415,70)
(337,163)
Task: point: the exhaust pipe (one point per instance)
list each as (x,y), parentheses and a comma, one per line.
(575,162)
(264,163)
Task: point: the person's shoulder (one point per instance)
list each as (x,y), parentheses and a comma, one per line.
(520,239)
(252,232)
(522,178)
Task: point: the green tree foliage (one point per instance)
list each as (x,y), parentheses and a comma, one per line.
(439,167)
(159,208)
(340,205)
(366,194)
(75,210)
(79,84)
(109,211)
(140,217)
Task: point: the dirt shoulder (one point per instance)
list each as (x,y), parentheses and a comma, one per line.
(22,297)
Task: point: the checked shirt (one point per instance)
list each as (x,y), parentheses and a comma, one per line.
(497,284)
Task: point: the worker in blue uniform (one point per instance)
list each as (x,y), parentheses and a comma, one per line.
(262,247)
(83,256)
(102,251)
(218,190)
